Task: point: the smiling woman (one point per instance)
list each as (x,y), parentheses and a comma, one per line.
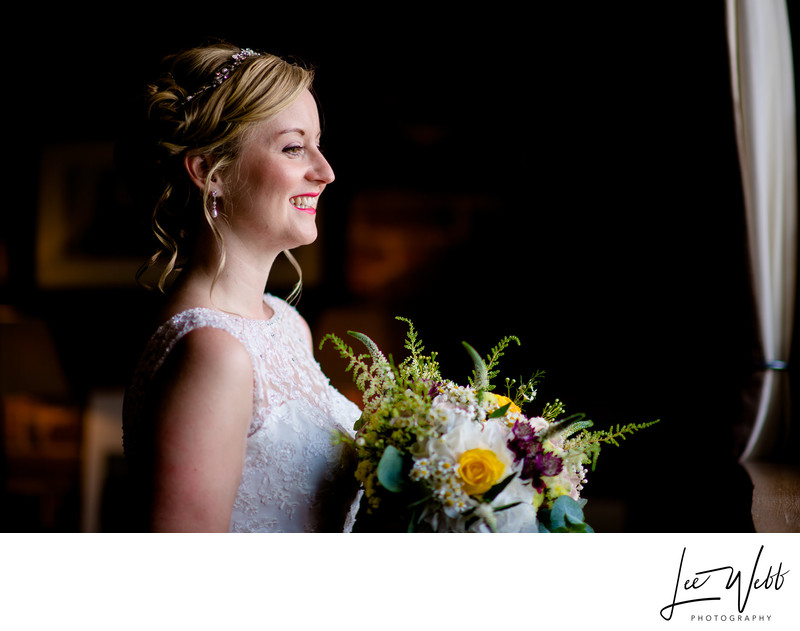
(229,420)
(279,171)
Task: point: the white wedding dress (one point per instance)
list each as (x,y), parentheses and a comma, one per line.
(296,478)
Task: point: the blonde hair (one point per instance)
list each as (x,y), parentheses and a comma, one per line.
(185,120)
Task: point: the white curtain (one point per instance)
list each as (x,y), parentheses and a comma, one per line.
(764,104)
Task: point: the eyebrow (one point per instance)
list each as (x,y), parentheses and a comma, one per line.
(295,130)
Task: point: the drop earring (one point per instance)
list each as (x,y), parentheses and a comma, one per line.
(214,211)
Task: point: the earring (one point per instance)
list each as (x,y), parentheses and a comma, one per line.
(214,211)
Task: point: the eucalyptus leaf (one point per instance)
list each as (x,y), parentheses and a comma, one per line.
(390,470)
(565,513)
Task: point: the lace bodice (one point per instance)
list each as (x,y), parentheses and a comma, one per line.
(295,477)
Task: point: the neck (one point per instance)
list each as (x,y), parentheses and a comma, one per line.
(239,287)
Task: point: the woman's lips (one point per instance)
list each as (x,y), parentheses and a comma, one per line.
(306,203)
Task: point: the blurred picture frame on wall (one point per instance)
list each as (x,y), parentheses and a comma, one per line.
(90,234)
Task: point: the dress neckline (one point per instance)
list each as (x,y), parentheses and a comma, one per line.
(271,301)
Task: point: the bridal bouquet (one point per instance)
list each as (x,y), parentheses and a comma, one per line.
(436,456)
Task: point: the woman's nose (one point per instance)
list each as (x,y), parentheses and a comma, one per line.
(322,169)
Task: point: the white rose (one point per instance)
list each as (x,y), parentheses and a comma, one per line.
(446,416)
(469,434)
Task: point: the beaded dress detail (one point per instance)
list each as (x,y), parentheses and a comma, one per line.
(295,477)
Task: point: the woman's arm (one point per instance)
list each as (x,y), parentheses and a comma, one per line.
(201,411)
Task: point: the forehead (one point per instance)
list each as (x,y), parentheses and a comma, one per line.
(301,117)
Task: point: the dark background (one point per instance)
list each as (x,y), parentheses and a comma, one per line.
(567,174)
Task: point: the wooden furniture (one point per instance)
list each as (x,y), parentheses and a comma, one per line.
(776,496)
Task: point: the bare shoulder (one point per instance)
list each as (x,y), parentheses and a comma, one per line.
(213,350)
(209,373)
(202,411)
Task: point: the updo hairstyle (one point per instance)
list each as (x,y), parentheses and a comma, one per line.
(184,119)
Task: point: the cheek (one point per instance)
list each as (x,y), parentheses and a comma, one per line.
(275,191)
(264,187)
(259,195)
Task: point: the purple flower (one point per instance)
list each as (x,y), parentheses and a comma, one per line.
(523,440)
(434,389)
(542,463)
(524,431)
(536,462)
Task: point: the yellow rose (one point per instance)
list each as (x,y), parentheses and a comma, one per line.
(480,470)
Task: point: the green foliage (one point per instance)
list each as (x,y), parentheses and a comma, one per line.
(567,426)
(480,374)
(590,442)
(486,369)
(526,391)
(417,366)
(577,439)
(390,470)
(566,515)
(553,410)
(395,411)
(494,356)
(374,379)
(500,412)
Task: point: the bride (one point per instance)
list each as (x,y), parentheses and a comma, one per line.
(229,421)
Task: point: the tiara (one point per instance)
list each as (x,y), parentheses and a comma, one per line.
(224,73)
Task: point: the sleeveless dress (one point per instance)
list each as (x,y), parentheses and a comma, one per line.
(296,477)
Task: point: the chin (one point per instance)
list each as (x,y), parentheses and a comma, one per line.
(306,238)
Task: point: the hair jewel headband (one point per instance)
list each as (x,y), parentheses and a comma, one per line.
(224,73)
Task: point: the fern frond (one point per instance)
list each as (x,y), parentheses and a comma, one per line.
(374,379)
(496,353)
(412,343)
(590,442)
(417,366)
(568,426)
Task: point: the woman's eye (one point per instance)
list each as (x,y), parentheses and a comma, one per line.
(293,150)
